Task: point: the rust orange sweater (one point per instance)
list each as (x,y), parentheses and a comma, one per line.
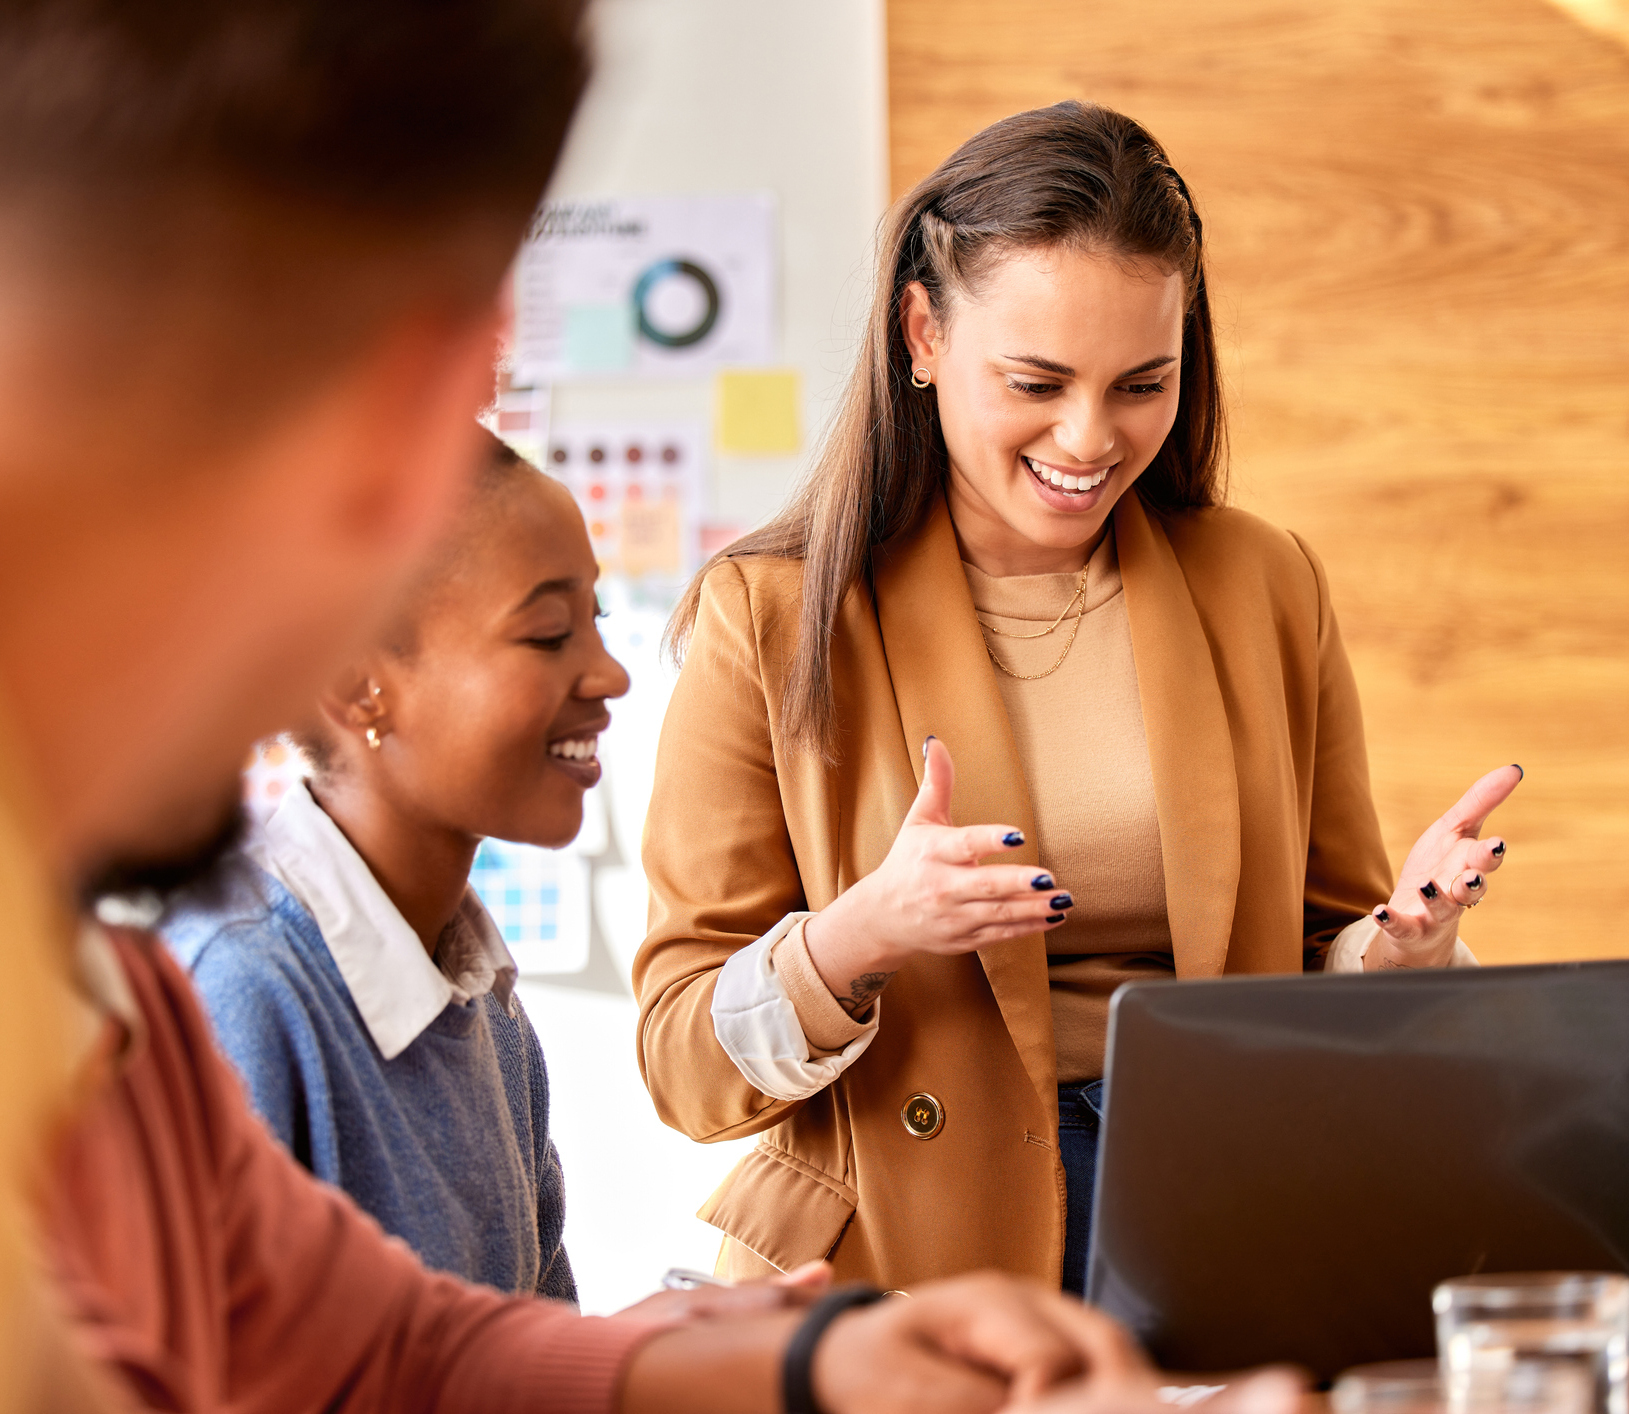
(213,1272)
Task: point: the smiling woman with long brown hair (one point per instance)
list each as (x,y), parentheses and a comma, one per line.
(1012,552)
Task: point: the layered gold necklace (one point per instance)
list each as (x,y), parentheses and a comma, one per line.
(1078,597)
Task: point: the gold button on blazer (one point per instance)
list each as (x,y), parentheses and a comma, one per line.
(1267,829)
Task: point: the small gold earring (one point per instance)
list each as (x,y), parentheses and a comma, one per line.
(921,378)
(372,735)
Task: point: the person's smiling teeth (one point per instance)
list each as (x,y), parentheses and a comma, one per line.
(1053,477)
(577,749)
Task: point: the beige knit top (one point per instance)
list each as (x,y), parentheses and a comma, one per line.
(1085,757)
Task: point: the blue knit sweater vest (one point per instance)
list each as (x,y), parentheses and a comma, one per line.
(447,1145)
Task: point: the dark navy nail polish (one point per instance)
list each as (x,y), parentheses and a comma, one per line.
(925,740)
(1054,918)
(1061,901)
(1042,881)
(1498,850)
(1519,769)
(1428,890)
(1475,883)
(1012,839)
(1383,914)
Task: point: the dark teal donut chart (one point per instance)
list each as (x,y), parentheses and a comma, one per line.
(660,271)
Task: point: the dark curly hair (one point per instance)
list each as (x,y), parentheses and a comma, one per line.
(245,190)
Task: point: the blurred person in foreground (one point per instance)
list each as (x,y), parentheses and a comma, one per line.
(250,257)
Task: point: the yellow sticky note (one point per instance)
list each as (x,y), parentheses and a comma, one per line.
(757,411)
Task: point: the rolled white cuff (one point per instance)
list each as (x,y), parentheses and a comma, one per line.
(758,1027)
(1352,945)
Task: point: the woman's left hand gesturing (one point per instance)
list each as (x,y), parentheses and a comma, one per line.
(1445,873)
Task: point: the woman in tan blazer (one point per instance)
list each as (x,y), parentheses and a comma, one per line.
(1011,556)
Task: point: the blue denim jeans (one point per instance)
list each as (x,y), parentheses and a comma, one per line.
(1080,1108)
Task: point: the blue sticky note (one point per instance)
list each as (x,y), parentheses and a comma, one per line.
(599,337)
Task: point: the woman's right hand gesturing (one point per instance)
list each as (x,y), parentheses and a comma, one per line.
(930,895)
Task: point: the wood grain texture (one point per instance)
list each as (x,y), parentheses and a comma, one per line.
(1419,226)
(1608,17)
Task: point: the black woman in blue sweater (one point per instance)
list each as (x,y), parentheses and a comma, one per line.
(353,977)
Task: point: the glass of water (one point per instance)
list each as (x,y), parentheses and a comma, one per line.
(1488,1326)
(1419,1387)
(1395,1387)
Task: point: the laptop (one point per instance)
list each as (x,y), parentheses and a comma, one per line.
(1288,1165)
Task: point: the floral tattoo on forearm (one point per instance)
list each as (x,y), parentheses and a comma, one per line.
(862,991)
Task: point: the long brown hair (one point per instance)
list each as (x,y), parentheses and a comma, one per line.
(1074,175)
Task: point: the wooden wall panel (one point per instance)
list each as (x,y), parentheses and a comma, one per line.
(1419,227)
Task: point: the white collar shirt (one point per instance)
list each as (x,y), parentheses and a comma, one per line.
(396,986)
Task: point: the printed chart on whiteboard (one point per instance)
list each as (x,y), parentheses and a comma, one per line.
(539,901)
(539,898)
(663,286)
(640,489)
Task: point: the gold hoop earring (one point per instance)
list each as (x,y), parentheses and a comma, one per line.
(921,378)
(372,735)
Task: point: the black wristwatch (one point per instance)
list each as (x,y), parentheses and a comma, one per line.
(796,1390)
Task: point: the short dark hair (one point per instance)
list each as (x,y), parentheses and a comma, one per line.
(263,183)
(501,468)
(402,109)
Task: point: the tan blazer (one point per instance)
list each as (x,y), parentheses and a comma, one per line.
(1267,829)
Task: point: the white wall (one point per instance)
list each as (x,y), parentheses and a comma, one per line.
(699,96)
(745,95)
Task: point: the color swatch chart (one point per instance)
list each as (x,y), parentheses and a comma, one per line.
(539,900)
(639,488)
